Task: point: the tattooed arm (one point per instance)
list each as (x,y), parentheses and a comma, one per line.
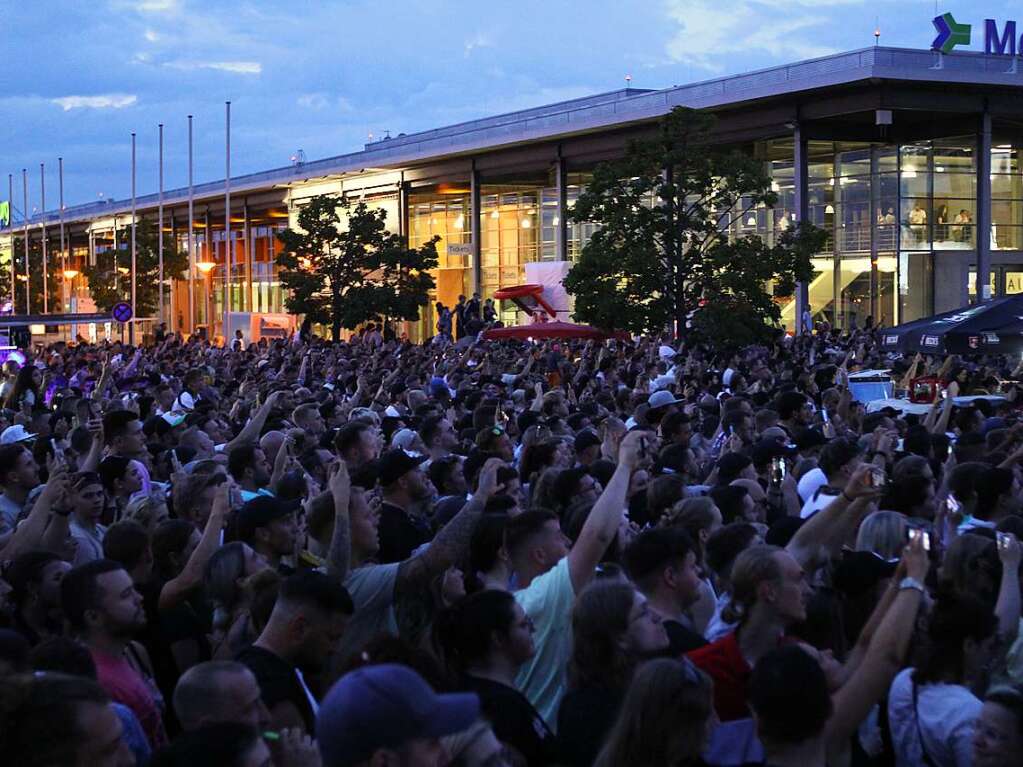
(452,542)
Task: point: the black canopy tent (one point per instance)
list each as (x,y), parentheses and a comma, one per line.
(992,327)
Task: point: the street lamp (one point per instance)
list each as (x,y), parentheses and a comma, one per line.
(206,267)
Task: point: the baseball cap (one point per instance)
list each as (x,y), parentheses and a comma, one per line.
(16,433)
(661,398)
(766,449)
(394,464)
(261,511)
(385,706)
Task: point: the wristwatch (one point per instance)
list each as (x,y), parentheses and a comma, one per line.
(912,583)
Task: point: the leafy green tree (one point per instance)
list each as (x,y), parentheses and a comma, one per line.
(344,278)
(35,260)
(110,279)
(662,255)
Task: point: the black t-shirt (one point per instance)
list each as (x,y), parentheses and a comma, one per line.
(515,721)
(278,682)
(681,639)
(400,534)
(585,718)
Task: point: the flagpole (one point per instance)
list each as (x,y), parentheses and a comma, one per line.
(10,228)
(24,213)
(228,255)
(159,228)
(134,307)
(191,234)
(60,193)
(42,228)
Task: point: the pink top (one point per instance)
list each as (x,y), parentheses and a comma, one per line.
(125,685)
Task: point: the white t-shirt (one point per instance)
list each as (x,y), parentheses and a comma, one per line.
(548,602)
(809,483)
(946,715)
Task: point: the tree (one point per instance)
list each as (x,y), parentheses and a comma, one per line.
(35,260)
(347,277)
(110,279)
(662,256)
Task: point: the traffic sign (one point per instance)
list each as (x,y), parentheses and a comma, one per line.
(122,311)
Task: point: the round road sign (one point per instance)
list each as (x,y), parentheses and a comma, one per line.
(122,311)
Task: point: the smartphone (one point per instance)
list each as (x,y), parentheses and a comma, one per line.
(877,478)
(643,450)
(58,451)
(952,504)
(778,470)
(824,415)
(915,534)
(1003,541)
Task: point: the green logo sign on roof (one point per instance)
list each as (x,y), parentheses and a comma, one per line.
(950,33)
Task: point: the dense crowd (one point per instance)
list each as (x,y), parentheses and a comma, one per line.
(648,553)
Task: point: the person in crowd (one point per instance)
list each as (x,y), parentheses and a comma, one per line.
(388,714)
(613,630)
(103,609)
(665,719)
(484,639)
(57,719)
(300,638)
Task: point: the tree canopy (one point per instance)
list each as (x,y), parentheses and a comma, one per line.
(662,255)
(110,279)
(344,277)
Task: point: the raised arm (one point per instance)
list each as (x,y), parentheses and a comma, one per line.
(824,533)
(946,412)
(32,531)
(602,524)
(95,454)
(255,425)
(176,589)
(1007,608)
(451,543)
(885,654)
(339,555)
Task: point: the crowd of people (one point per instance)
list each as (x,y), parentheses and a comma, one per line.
(653,553)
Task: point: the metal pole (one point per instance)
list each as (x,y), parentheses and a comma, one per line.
(10,228)
(802,202)
(191,232)
(159,229)
(60,194)
(42,228)
(24,213)
(983,285)
(131,328)
(228,255)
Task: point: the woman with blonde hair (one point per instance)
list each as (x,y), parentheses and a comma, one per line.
(665,719)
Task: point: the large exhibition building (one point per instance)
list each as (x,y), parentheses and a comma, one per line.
(910,159)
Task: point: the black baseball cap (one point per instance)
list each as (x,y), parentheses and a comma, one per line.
(261,511)
(395,464)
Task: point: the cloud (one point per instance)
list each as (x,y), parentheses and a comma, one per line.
(151,35)
(313,101)
(236,67)
(479,40)
(103,101)
(321,101)
(151,6)
(711,33)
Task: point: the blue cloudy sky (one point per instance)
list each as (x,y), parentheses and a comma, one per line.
(78,76)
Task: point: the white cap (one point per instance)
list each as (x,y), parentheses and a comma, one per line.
(666,352)
(16,433)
